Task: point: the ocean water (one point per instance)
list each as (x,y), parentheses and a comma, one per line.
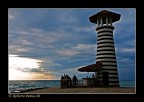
(19,85)
(127,83)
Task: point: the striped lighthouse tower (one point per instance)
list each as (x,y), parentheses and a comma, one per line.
(108,75)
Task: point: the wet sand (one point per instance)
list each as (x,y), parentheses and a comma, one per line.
(56,90)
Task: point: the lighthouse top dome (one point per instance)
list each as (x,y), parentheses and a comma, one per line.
(104,13)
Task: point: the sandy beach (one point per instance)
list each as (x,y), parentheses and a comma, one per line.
(83,90)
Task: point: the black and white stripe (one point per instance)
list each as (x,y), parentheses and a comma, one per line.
(106,54)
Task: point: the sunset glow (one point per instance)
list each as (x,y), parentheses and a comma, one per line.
(20,69)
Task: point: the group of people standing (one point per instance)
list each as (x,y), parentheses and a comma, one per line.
(67,81)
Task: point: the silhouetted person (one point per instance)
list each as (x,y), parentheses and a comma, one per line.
(93,76)
(69,81)
(94,80)
(75,80)
(62,81)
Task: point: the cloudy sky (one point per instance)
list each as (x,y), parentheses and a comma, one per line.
(45,43)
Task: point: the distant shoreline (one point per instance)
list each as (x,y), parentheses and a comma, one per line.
(80,90)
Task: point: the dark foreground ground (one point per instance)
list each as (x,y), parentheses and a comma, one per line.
(83,90)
